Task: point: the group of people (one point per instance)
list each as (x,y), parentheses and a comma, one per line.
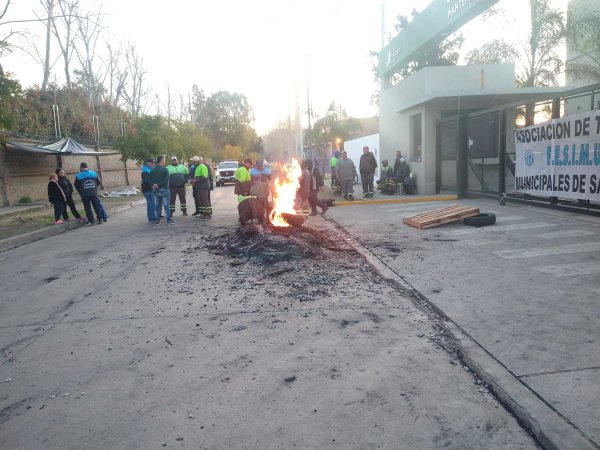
(60,194)
(400,174)
(162,185)
(343,173)
(253,187)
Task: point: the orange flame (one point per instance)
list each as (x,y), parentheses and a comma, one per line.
(284,193)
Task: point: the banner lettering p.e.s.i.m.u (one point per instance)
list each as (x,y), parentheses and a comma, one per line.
(560,158)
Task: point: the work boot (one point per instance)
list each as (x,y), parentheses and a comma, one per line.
(196,213)
(185,213)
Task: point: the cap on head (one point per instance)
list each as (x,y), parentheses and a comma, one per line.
(57,171)
(151,160)
(83,165)
(173,158)
(195,158)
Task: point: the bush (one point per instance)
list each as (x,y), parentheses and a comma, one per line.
(24,199)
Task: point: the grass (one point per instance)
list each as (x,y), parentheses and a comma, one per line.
(36,219)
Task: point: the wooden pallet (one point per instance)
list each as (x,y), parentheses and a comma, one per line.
(440,216)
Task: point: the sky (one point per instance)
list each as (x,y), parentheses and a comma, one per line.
(273,51)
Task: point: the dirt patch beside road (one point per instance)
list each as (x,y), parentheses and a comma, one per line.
(29,220)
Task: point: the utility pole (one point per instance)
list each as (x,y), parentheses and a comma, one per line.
(382,25)
(309,111)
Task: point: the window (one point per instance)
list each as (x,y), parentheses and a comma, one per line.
(416,138)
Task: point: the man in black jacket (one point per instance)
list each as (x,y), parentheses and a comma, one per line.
(148,191)
(86,183)
(316,185)
(367,168)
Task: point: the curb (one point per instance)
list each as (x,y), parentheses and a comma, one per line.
(362,202)
(43,233)
(25,209)
(551,429)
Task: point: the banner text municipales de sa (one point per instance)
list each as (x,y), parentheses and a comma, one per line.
(560,158)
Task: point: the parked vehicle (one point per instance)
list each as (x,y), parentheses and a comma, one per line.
(225,172)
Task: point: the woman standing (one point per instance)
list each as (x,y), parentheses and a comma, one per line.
(57,197)
(67,189)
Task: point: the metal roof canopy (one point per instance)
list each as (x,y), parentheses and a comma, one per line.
(440,19)
(516,96)
(66,146)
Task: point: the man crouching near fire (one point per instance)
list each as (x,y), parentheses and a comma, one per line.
(249,207)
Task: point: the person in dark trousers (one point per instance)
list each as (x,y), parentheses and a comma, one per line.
(194,162)
(345,172)
(67,188)
(386,183)
(303,192)
(397,161)
(148,192)
(86,183)
(178,176)
(403,175)
(211,181)
(316,185)
(203,187)
(367,168)
(159,179)
(57,197)
(335,183)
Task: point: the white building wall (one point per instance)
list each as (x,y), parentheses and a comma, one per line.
(354,148)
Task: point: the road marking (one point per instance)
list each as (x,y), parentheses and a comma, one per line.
(499,228)
(563,234)
(508,218)
(405,207)
(562,250)
(569,270)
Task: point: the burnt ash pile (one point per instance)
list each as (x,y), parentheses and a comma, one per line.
(281,266)
(269,245)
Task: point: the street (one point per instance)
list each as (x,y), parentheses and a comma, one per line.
(130,335)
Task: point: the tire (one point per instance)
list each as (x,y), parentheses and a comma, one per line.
(480,220)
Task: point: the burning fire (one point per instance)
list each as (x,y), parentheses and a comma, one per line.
(284,193)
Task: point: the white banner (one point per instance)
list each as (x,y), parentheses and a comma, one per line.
(560,158)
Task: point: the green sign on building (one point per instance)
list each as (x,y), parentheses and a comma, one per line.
(436,22)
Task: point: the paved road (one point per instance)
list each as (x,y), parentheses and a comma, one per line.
(526,290)
(129,335)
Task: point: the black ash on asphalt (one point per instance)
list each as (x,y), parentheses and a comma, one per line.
(269,245)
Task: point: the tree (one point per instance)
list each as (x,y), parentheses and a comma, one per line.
(64,36)
(116,75)
(89,27)
(583,37)
(49,7)
(9,93)
(144,140)
(443,52)
(4,39)
(225,118)
(134,90)
(543,64)
(494,52)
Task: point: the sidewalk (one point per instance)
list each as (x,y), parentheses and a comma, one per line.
(520,298)
(536,351)
(50,230)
